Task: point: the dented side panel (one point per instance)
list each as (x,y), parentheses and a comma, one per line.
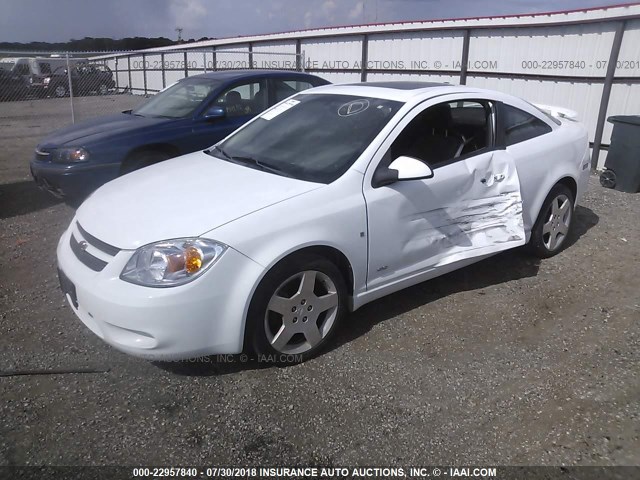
(469,209)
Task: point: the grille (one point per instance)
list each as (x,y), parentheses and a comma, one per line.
(81,239)
(99,244)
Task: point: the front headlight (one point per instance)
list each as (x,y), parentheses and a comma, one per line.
(171,262)
(70,155)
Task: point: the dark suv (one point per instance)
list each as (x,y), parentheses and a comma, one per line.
(23,77)
(85,78)
(12,86)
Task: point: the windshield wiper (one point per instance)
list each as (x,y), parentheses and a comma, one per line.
(217,148)
(261,165)
(250,160)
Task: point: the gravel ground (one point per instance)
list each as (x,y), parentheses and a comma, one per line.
(510,361)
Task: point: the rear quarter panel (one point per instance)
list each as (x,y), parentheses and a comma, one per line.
(543,161)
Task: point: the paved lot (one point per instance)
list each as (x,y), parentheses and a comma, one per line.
(510,361)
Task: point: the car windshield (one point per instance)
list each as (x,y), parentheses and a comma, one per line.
(313,137)
(178,100)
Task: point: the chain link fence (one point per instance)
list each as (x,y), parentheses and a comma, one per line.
(68,87)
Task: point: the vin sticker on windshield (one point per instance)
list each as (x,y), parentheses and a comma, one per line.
(283,107)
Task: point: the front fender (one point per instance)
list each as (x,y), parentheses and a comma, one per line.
(333,215)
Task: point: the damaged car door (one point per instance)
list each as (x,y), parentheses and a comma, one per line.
(466,206)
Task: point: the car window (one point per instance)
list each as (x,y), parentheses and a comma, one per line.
(519,126)
(312,137)
(546,114)
(22,69)
(178,100)
(85,69)
(244,99)
(45,68)
(445,132)
(285,88)
(7,63)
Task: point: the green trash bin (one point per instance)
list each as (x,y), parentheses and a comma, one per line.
(622,168)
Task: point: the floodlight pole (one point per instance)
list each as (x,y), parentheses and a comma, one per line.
(73,116)
(606,93)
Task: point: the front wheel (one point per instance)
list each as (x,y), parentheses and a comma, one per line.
(550,232)
(296,309)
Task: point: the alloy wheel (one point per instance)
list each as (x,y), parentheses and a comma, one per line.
(556,228)
(301,312)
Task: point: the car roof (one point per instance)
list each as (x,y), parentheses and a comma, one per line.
(398,91)
(400,85)
(237,74)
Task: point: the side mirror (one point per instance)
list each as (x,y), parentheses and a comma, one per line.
(402,169)
(410,168)
(214,113)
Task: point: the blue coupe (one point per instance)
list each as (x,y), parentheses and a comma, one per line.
(190,115)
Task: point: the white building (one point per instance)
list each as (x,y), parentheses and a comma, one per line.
(585,60)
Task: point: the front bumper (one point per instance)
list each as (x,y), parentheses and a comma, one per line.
(203,317)
(76,181)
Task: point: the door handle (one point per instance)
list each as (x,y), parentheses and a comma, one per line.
(496,178)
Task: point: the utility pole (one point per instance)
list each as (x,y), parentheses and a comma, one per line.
(179,30)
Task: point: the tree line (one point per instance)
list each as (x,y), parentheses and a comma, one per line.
(90,44)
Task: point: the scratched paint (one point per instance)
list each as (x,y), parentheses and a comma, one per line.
(470,208)
(483,217)
(468,228)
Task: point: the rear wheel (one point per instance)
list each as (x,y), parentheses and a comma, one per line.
(60,91)
(143,159)
(103,89)
(296,309)
(550,232)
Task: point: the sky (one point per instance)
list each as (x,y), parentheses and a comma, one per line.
(62,20)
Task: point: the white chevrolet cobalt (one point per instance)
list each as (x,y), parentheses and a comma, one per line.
(331,199)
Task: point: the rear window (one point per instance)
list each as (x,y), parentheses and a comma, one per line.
(45,68)
(519,126)
(7,64)
(550,117)
(287,88)
(22,69)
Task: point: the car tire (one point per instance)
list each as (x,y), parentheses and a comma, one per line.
(553,225)
(103,89)
(60,91)
(296,310)
(143,159)
(608,179)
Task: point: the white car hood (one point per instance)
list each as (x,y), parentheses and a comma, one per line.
(183,197)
